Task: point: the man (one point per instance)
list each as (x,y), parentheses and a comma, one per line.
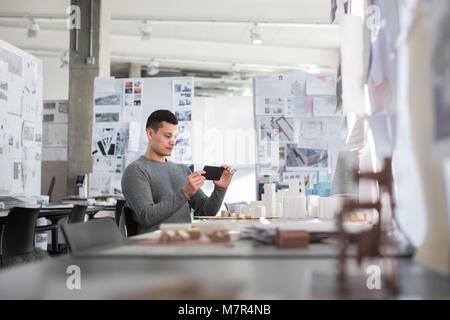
(161,191)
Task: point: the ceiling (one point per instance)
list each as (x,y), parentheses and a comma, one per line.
(204,38)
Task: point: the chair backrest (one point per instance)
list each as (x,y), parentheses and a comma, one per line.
(50,189)
(230,206)
(77,214)
(18,232)
(118,212)
(91,234)
(131,226)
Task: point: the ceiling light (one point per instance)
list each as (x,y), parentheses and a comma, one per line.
(247,92)
(235,72)
(64,59)
(153,68)
(32,28)
(146,31)
(255,34)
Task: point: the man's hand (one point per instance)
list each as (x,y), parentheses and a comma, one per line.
(226,177)
(193,182)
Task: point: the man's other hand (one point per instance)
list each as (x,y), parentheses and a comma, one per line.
(226,177)
(193,182)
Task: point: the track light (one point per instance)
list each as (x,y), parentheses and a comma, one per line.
(146,31)
(64,59)
(153,68)
(255,35)
(235,72)
(32,28)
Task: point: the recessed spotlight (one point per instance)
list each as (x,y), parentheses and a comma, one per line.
(153,68)
(32,28)
(255,35)
(235,72)
(146,31)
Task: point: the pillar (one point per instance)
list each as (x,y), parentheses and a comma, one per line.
(82,72)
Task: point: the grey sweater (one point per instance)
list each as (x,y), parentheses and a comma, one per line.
(153,190)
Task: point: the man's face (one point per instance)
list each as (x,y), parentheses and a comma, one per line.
(163,141)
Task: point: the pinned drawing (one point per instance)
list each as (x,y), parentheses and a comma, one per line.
(110,139)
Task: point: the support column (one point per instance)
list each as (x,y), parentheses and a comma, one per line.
(134,71)
(89,58)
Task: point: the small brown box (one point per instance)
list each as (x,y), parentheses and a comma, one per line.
(291,238)
(241,216)
(225,213)
(194,234)
(220,235)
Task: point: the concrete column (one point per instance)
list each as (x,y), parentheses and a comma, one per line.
(134,71)
(81,83)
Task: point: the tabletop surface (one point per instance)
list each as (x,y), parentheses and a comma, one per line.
(205,278)
(243,270)
(61,209)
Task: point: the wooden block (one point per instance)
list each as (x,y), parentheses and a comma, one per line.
(241,216)
(225,213)
(220,235)
(167,235)
(194,234)
(359,217)
(291,238)
(184,235)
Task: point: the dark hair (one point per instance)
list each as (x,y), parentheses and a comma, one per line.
(158,116)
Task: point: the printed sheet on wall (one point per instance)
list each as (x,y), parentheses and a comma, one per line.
(295,122)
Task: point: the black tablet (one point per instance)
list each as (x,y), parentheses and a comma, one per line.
(213,173)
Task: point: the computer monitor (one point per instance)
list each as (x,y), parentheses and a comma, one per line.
(80,180)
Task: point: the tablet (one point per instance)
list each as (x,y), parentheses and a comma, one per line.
(213,173)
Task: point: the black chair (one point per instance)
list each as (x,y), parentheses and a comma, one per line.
(91,234)
(50,189)
(17,243)
(130,226)
(77,214)
(118,212)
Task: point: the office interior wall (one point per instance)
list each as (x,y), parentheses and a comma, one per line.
(21,121)
(56,78)
(57,169)
(223,134)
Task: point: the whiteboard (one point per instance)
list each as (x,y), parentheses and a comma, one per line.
(21,144)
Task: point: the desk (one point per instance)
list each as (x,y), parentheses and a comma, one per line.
(54,213)
(207,272)
(123,278)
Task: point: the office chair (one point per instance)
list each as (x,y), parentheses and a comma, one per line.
(17,243)
(50,189)
(128,225)
(91,234)
(118,212)
(77,214)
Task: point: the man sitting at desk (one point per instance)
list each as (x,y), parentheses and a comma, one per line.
(161,191)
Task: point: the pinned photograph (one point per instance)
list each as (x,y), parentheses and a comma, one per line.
(183,115)
(303,158)
(107,117)
(50,105)
(110,100)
